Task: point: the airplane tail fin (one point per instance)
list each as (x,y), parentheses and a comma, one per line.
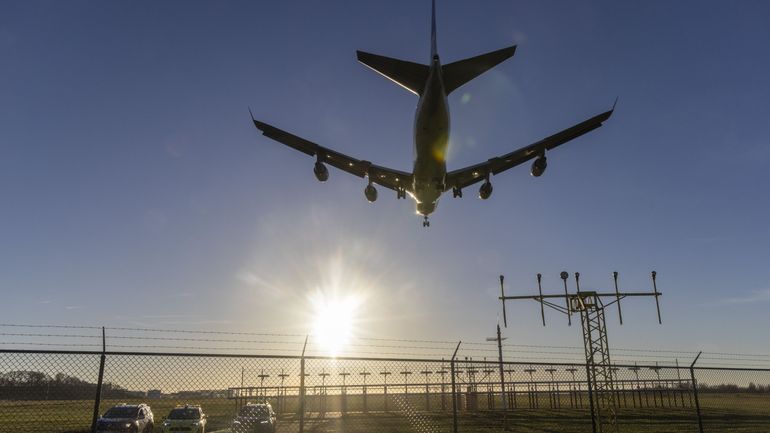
(411,76)
(458,73)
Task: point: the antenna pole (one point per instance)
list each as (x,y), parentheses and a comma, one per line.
(502,299)
(540,290)
(657,294)
(577,282)
(617,296)
(564,275)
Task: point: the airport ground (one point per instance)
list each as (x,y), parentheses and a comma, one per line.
(721,412)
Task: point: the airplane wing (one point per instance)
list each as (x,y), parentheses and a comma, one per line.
(475,173)
(387,177)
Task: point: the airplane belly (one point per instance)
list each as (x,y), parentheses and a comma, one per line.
(431,139)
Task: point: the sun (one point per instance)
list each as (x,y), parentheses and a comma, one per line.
(333,321)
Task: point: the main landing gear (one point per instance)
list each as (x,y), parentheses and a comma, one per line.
(425,222)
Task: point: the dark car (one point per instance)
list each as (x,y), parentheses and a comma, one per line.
(128,418)
(254,418)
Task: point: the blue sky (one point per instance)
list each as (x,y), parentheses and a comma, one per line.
(136,191)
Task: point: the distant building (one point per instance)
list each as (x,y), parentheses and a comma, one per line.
(154,394)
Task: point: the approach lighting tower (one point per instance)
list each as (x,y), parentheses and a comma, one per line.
(590,305)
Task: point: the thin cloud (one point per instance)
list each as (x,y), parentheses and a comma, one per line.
(753,296)
(180,295)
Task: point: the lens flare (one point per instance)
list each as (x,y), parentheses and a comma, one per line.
(333,321)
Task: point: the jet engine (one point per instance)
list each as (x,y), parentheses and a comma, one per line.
(371,193)
(321,172)
(538,166)
(485,191)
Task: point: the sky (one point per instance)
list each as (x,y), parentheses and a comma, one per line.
(136,191)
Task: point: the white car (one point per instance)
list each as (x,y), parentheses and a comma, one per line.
(187,418)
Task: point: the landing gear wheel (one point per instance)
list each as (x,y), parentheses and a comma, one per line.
(425,222)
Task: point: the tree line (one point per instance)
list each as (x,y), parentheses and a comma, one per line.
(731,387)
(35,385)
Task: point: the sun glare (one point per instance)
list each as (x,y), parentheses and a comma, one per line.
(333,322)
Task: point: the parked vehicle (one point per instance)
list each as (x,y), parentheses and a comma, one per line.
(128,418)
(255,418)
(187,418)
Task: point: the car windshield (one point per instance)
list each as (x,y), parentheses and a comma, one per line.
(122,412)
(184,413)
(254,412)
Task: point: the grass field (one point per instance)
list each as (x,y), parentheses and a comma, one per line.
(739,412)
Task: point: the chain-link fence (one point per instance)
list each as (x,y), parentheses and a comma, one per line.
(58,391)
(734,399)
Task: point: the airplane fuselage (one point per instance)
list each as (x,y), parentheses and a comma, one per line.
(431,140)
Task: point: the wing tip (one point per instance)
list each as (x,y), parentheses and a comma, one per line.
(259,125)
(607,114)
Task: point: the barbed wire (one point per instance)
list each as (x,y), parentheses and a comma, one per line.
(416,346)
(16,325)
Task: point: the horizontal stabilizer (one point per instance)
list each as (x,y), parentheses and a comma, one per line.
(458,73)
(411,76)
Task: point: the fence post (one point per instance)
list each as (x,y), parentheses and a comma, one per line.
(591,397)
(454,392)
(302,389)
(695,392)
(502,378)
(98,398)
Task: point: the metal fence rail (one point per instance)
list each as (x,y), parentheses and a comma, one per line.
(56,391)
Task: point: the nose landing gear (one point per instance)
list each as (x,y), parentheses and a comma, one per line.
(425,222)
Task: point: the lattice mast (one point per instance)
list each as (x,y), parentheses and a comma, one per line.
(591,307)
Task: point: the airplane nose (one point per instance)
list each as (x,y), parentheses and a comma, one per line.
(426,208)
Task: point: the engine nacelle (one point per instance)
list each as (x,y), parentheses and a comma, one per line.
(485,191)
(538,166)
(321,172)
(371,193)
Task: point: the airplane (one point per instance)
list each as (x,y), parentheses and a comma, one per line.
(429,178)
